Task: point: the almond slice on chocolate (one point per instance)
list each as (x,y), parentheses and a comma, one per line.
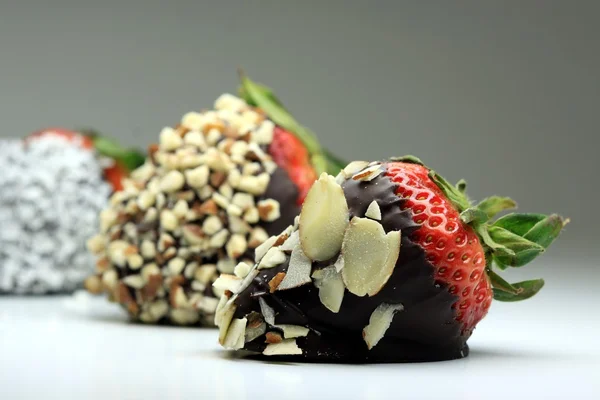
(293,331)
(368,174)
(235,337)
(373,211)
(227,282)
(323,219)
(331,288)
(370,256)
(267,311)
(298,272)
(354,167)
(291,242)
(262,249)
(283,348)
(273,258)
(224,316)
(379,322)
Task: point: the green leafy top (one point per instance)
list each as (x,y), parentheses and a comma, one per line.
(261,96)
(512,240)
(128,158)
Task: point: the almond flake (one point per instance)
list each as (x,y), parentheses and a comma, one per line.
(286,347)
(292,241)
(293,331)
(373,211)
(339,263)
(273,258)
(370,256)
(224,317)
(254,332)
(331,288)
(368,174)
(354,167)
(264,247)
(267,311)
(323,219)
(379,322)
(298,272)
(276,281)
(234,339)
(273,337)
(227,282)
(241,270)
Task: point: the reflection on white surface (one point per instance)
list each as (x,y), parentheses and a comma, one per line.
(54,348)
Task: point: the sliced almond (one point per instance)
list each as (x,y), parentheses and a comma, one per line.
(298,272)
(267,311)
(276,281)
(234,339)
(273,258)
(379,322)
(227,282)
(264,247)
(291,242)
(224,316)
(286,347)
(293,331)
(354,167)
(331,288)
(373,211)
(255,332)
(368,174)
(369,256)
(241,270)
(273,337)
(323,219)
(339,263)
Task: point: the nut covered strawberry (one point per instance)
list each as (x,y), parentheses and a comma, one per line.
(213,189)
(387,262)
(52,186)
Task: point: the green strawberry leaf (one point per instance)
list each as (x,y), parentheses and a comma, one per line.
(546,230)
(458,199)
(473,215)
(526,289)
(408,159)
(495,204)
(499,283)
(461,185)
(519,224)
(261,96)
(524,250)
(129,158)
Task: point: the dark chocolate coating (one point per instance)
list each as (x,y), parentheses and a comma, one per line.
(282,189)
(425,330)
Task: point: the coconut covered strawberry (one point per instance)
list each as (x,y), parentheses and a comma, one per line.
(52,186)
(213,189)
(387,262)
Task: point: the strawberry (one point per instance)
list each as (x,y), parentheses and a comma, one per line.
(294,147)
(122,160)
(461,243)
(289,153)
(217,184)
(387,262)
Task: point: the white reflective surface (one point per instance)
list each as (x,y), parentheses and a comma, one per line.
(84,348)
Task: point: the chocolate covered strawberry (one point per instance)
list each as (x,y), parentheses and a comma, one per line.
(216,186)
(52,186)
(387,262)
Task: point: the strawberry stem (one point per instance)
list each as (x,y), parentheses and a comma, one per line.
(261,96)
(512,240)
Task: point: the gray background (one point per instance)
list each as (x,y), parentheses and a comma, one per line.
(505,94)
